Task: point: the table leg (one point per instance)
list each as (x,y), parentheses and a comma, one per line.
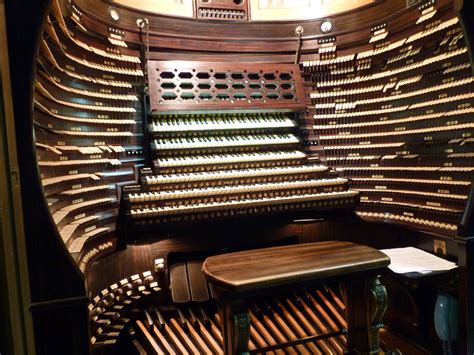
(235,322)
(366,305)
(378,306)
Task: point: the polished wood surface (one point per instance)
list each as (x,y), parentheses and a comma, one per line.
(54,275)
(271,270)
(250,38)
(206,82)
(277,266)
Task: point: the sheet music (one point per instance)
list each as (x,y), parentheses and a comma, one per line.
(406,260)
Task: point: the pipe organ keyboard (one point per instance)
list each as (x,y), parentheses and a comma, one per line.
(230,161)
(222,123)
(225,142)
(242,156)
(238,153)
(218,175)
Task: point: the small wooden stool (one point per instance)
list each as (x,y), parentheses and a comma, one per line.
(237,277)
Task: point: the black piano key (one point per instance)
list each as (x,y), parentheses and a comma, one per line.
(297,300)
(131,331)
(276,303)
(194,319)
(205,318)
(149,320)
(306,296)
(265,305)
(256,310)
(160,320)
(182,320)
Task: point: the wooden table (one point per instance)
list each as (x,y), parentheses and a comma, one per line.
(237,277)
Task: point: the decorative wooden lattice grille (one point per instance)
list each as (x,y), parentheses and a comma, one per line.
(201,85)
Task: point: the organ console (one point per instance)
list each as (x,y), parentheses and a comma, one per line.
(234,160)
(174,183)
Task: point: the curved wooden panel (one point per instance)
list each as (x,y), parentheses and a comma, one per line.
(396,119)
(87,120)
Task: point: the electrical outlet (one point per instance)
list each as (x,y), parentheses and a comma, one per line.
(439,247)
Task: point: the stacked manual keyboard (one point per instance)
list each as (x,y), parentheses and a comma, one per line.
(214,166)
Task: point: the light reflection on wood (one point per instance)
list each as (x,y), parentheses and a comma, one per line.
(181,8)
(283,4)
(260,10)
(279,10)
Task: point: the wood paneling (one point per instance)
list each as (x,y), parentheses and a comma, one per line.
(180,34)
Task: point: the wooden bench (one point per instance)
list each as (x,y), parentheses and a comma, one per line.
(237,277)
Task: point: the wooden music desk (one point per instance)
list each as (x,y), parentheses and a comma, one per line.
(237,277)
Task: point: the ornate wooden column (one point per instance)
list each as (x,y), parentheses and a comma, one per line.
(235,323)
(366,304)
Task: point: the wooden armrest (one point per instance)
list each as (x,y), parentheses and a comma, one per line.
(279,266)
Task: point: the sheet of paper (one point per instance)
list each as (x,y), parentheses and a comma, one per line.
(405,260)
